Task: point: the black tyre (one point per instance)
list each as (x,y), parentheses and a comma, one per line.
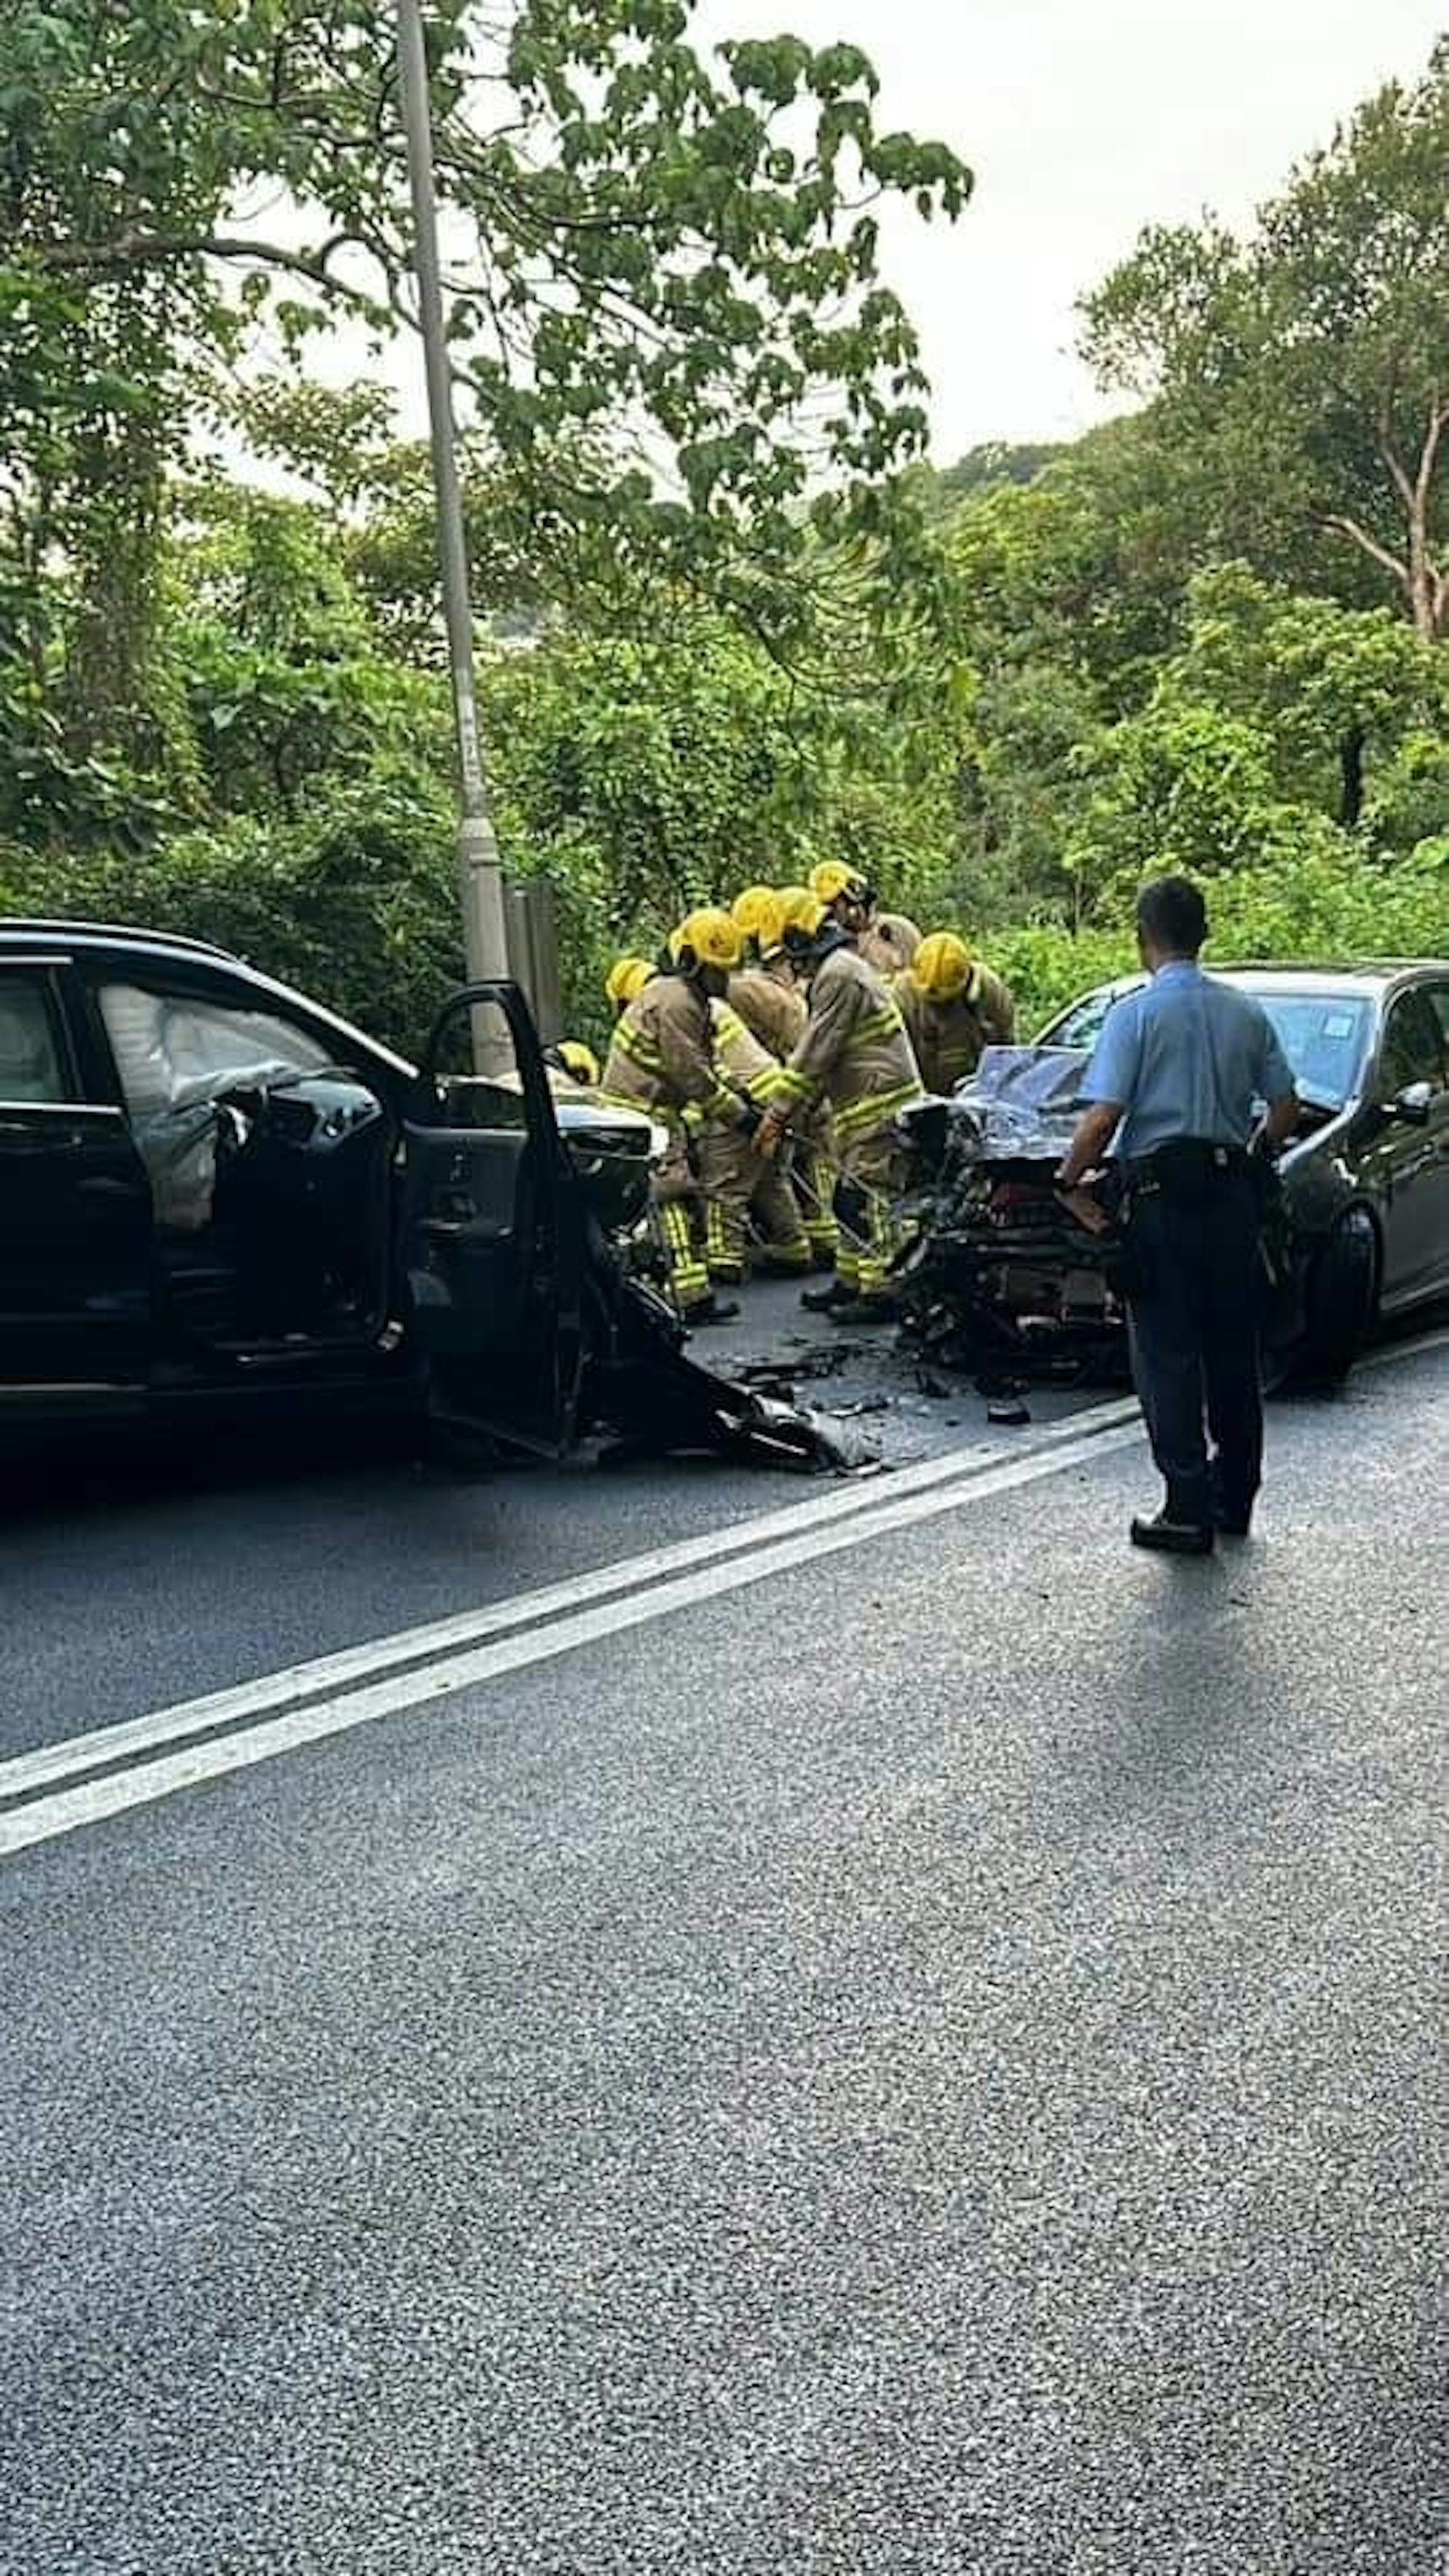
(1341,1301)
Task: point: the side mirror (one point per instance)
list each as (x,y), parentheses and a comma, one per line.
(1412,1105)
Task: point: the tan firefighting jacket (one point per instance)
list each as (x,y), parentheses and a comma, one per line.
(950,1038)
(889,942)
(771,1005)
(661,1055)
(855,1052)
(744,1063)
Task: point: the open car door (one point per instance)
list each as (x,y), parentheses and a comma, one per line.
(491,1229)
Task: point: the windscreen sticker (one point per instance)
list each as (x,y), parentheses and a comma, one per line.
(1337,1024)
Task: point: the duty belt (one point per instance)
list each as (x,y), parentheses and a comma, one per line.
(1203,1154)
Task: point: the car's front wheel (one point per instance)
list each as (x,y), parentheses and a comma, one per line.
(1341,1300)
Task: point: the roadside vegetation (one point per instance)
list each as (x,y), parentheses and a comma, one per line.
(1213,634)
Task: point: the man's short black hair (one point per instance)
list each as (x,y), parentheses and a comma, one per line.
(1172,915)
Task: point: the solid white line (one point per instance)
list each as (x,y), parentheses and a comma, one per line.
(424,1665)
(26,1772)
(117,1791)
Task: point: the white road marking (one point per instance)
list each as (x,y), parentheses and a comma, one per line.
(27,1772)
(309,1702)
(751,1562)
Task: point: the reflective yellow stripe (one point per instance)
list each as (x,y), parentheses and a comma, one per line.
(875,1109)
(885,1023)
(639,1049)
(640,1108)
(688,1277)
(797,1086)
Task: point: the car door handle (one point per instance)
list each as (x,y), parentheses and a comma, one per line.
(107,1185)
(443,1229)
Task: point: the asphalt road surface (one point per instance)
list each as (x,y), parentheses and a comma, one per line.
(128,1582)
(871,2029)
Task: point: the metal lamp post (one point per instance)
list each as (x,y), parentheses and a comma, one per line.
(480,875)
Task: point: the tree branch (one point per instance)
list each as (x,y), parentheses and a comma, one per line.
(1338,525)
(1398,471)
(142,250)
(1428,461)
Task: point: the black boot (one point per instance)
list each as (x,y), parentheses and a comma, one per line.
(713,1310)
(1172,1538)
(865,1310)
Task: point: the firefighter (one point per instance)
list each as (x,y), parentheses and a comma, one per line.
(743,1189)
(763,989)
(856,1055)
(661,1061)
(769,1000)
(886,940)
(953,1008)
(625,981)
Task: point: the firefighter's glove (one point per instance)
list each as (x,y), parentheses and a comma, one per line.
(770,1135)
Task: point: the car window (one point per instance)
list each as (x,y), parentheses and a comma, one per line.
(32,1065)
(1414,1048)
(1082,1025)
(1438,998)
(173,1049)
(1325,1037)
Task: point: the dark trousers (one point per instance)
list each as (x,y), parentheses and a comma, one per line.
(1194,1332)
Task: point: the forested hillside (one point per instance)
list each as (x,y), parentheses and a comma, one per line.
(732,621)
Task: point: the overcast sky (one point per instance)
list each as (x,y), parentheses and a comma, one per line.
(1084,120)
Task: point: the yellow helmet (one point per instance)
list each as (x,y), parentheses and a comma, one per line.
(796,908)
(626,980)
(752,908)
(833,878)
(710,937)
(579,1060)
(941,967)
(801,917)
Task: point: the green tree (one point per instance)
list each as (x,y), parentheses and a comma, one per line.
(1302,375)
(285,675)
(658,252)
(1336,692)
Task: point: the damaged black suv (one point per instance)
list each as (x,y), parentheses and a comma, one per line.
(218,1199)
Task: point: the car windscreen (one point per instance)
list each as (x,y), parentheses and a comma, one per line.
(1325,1037)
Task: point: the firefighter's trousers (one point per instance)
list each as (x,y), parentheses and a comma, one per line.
(814,1174)
(747,1196)
(872,1177)
(679,1218)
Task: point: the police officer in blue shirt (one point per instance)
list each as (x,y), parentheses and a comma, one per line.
(1190,1079)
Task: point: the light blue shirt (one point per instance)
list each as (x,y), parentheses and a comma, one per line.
(1186,1056)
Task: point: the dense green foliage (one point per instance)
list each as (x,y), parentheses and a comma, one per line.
(1209,635)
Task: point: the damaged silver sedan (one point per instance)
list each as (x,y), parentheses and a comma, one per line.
(1005,1274)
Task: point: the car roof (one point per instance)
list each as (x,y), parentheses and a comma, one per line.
(1371,973)
(104,938)
(17,928)
(1366,975)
